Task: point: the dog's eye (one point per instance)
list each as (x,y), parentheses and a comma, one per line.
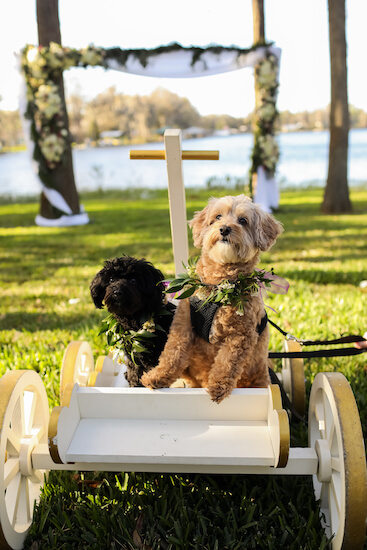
(133,280)
(242,221)
(112,279)
(218,217)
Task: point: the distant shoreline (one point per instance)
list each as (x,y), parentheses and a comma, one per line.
(137,142)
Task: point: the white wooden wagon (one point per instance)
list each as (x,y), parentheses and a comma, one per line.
(102,425)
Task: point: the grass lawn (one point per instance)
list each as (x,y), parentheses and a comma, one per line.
(45,303)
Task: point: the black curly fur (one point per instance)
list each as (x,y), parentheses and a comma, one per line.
(130,289)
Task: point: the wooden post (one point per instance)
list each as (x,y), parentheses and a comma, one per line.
(174,155)
(63,175)
(176,197)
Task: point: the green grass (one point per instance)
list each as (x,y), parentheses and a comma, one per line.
(45,303)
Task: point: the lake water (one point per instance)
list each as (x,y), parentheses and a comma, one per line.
(304,161)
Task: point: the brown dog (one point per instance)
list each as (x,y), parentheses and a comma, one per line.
(232,231)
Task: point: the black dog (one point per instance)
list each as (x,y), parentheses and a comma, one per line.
(132,290)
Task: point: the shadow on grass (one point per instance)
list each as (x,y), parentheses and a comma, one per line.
(47,261)
(114,220)
(37,321)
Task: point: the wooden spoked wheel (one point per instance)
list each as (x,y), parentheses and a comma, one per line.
(77,365)
(340,484)
(24,418)
(293,378)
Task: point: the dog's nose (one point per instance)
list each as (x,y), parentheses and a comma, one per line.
(225,230)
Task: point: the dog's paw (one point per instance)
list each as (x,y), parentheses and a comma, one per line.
(218,392)
(152,381)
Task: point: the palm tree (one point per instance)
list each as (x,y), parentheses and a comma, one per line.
(336,194)
(63,175)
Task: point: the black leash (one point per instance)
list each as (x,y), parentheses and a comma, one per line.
(336,352)
(287,404)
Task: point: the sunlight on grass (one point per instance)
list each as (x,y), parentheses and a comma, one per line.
(45,275)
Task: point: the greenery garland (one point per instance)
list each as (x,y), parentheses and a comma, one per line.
(43,66)
(124,341)
(265,151)
(226,293)
(143,54)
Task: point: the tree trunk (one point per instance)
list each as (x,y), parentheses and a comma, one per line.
(259,35)
(336,194)
(63,175)
(258,25)
(258,21)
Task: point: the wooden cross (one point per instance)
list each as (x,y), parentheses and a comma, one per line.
(174,156)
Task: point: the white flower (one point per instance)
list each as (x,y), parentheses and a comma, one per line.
(268,145)
(48,100)
(38,68)
(201,293)
(32,54)
(91,56)
(267,112)
(269,151)
(266,74)
(55,56)
(226,285)
(52,148)
(148,326)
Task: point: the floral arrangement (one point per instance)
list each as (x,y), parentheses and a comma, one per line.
(131,342)
(43,67)
(226,293)
(266,151)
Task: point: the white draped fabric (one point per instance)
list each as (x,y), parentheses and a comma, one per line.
(178,63)
(169,64)
(266,193)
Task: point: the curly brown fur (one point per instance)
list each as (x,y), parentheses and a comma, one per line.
(232,231)
(132,290)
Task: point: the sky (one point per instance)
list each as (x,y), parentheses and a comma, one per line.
(298,27)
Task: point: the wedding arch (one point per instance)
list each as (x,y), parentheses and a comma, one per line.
(42,67)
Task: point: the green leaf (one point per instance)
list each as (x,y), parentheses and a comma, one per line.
(186,293)
(142,334)
(219,297)
(175,288)
(138,347)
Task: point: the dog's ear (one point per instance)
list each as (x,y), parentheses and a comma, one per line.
(198,225)
(266,229)
(97,290)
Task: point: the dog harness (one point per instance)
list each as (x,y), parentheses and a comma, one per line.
(202,315)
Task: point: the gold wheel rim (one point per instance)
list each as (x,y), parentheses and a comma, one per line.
(77,365)
(334,417)
(284,433)
(24,419)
